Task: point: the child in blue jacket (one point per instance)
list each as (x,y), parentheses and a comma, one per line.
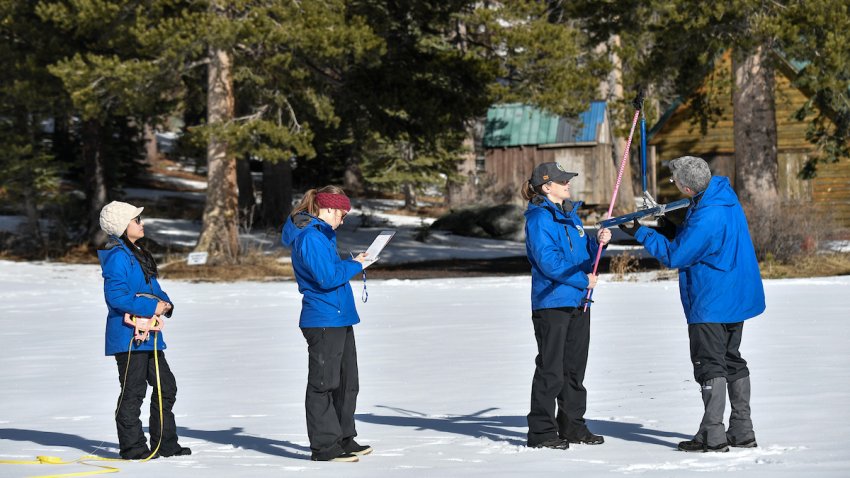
(327,316)
(130,287)
(561,256)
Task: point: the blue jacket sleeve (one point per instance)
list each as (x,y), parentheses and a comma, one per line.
(692,243)
(549,256)
(116,287)
(323,263)
(157,291)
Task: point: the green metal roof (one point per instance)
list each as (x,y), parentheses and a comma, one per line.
(518,125)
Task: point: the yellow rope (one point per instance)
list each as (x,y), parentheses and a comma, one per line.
(54,460)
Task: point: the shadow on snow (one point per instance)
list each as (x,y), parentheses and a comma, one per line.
(504,428)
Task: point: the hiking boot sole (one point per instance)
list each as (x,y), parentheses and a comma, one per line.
(723,449)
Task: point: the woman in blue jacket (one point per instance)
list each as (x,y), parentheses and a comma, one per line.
(130,287)
(561,256)
(327,316)
(720,287)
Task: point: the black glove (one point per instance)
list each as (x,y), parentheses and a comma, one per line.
(638,101)
(666,228)
(630,229)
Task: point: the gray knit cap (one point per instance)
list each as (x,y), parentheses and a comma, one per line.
(691,172)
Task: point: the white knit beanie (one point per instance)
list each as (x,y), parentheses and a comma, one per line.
(116,216)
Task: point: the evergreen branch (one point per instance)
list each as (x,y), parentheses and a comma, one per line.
(259,114)
(296,125)
(334,76)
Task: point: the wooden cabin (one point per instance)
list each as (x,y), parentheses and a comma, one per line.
(517,137)
(676,134)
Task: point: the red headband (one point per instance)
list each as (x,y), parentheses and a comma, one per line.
(333,201)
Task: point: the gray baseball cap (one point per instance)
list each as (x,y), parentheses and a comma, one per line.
(545,172)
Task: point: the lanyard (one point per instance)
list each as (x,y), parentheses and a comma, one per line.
(365,295)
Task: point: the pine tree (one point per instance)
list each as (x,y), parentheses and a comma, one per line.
(407,115)
(673,45)
(32,103)
(273,59)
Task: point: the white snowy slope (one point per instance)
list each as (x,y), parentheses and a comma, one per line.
(445,373)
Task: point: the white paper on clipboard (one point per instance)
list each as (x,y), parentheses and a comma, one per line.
(374,250)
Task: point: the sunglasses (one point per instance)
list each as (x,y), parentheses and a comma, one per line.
(137,220)
(562,183)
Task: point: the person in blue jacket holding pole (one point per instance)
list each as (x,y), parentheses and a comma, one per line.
(561,256)
(720,287)
(130,286)
(327,317)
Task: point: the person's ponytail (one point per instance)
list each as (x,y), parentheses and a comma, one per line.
(310,204)
(528,191)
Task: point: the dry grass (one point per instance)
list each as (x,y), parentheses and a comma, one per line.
(253,266)
(80,254)
(813,265)
(623,264)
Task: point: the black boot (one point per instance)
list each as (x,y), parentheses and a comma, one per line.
(180,451)
(554,443)
(699,447)
(138,454)
(351,446)
(585,438)
(345,457)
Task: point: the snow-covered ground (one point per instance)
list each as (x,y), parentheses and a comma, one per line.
(445,370)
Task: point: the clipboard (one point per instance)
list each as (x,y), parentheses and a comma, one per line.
(378,245)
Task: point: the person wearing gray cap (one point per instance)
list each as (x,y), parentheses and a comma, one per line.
(720,287)
(561,256)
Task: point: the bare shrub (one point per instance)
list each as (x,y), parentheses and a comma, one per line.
(623,264)
(787,233)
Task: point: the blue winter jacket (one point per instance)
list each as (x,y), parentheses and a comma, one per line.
(719,279)
(321,275)
(122,280)
(560,253)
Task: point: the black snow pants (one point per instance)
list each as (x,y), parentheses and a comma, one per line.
(718,366)
(141,372)
(714,351)
(332,387)
(563,341)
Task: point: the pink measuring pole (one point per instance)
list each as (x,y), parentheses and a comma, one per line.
(614,198)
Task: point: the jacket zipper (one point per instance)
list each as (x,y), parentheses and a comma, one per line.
(569,239)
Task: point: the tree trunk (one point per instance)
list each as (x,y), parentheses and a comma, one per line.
(409,196)
(353,177)
(756,167)
(625,202)
(151,148)
(277,193)
(463,192)
(219,234)
(247,202)
(95,180)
